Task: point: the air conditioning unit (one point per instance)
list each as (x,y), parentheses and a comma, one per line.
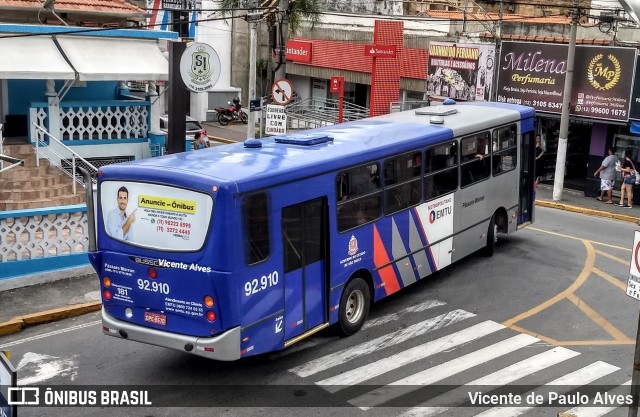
(607,17)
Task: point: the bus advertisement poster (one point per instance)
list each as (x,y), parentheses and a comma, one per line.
(155,216)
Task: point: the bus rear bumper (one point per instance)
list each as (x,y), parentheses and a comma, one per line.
(224,347)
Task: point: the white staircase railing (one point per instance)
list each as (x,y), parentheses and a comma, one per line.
(56,152)
(315,112)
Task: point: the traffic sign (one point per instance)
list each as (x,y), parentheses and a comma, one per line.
(276,120)
(282,92)
(633,285)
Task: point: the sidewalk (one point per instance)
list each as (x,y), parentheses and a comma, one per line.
(575,201)
(76,292)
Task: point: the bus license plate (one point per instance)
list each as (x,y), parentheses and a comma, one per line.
(155,318)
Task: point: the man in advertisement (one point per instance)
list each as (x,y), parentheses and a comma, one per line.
(118,222)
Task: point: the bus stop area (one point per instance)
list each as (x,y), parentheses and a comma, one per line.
(27,301)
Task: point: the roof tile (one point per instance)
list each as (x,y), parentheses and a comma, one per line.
(101,6)
(548,39)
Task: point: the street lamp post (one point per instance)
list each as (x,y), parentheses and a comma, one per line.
(253,45)
(253,16)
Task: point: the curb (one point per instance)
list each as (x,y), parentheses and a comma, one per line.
(18,323)
(221,140)
(590,212)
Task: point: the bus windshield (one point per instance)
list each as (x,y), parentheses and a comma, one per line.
(155,216)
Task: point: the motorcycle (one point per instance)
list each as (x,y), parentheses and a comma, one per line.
(233,113)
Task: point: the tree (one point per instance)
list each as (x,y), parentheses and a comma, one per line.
(283,18)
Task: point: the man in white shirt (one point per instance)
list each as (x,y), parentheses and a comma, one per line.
(607,171)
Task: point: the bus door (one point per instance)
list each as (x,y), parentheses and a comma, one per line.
(527,178)
(304,249)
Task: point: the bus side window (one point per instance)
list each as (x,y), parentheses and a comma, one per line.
(441,170)
(358,196)
(475,165)
(402,182)
(505,151)
(256,215)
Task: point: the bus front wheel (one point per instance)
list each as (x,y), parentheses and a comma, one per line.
(492,237)
(354,306)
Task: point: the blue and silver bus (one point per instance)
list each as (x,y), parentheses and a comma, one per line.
(247,248)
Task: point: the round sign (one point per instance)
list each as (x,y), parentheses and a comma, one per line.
(282,92)
(200,67)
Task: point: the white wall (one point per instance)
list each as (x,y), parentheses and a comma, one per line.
(138,150)
(301,85)
(217,34)
(426,27)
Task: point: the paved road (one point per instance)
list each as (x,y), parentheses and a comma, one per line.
(235,132)
(547,313)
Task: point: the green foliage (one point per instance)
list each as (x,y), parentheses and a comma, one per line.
(298,10)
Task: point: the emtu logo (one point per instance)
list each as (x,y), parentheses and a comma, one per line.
(438,214)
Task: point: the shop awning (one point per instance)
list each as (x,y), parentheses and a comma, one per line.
(108,59)
(46,57)
(32,58)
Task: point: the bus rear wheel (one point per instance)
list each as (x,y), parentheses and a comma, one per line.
(492,237)
(354,306)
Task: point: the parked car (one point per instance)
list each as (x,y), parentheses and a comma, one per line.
(192,126)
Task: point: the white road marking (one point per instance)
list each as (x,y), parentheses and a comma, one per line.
(319,340)
(596,411)
(496,379)
(409,310)
(444,370)
(39,368)
(379,343)
(575,379)
(368,371)
(49,334)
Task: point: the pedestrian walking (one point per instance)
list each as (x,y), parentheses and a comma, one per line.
(539,160)
(607,172)
(628,180)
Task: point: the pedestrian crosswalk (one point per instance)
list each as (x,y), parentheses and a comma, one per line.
(480,356)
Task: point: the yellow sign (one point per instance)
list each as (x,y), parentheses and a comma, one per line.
(167,204)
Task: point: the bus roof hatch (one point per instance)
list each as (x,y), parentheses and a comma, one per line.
(304,139)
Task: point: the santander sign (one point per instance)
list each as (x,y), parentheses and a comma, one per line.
(387,51)
(299,51)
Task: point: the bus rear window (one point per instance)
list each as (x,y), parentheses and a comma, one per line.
(155,216)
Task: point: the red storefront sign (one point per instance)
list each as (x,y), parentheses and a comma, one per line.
(336,84)
(299,51)
(388,51)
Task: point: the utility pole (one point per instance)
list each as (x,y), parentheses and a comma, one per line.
(283,36)
(561,157)
(253,16)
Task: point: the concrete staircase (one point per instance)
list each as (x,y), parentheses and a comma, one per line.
(30,186)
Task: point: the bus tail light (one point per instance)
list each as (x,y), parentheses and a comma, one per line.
(106,281)
(211,316)
(208,301)
(106,294)
(153,274)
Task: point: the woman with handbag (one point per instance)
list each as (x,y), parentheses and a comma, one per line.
(628,180)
